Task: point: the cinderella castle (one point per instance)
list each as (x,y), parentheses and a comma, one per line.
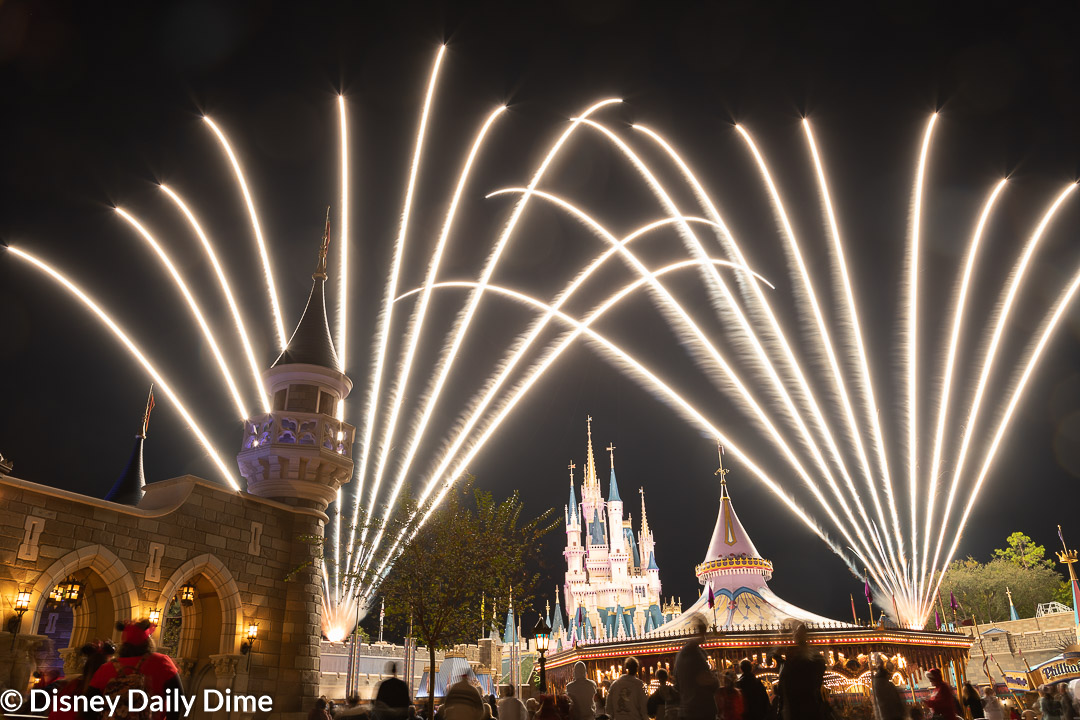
(612,580)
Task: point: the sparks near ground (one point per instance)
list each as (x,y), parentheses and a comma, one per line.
(812,393)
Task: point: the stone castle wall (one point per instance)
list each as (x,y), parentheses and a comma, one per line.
(237,549)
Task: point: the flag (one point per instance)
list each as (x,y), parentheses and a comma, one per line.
(952,602)
(854,616)
(149,407)
(866,591)
(712,600)
(937,619)
(1061,537)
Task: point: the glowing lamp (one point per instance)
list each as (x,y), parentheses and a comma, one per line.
(155,616)
(250,635)
(187,595)
(72,590)
(22,602)
(542,635)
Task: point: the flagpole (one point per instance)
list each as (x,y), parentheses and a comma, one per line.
(1068,557)
(854,617)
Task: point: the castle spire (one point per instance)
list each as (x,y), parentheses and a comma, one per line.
(613,487)
(311,343)
(590,462)
(131,485)
(721,471)
(324,249)
(572,507)
(644,519)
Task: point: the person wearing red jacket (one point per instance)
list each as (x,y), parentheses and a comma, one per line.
(942,702)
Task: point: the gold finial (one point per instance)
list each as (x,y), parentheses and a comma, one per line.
(1009,593)
(320,267)
(556,594)
(611,453)
(571,467)
(590,463)
(644,520)
(146,414)
(721,471)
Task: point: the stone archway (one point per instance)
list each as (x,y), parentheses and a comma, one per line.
(109,595)
(231,609)
(211,627)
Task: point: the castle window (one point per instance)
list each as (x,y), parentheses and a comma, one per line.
(326,403)
(303,398)
(279,399)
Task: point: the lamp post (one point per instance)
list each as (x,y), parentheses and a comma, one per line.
(542,636)
(251,635)
(22,604)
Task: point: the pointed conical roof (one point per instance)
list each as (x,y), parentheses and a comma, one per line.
(556,624)
(311,343)
(613,488)
(590,461)
(510,633)
(130,486)
(729,538)
(575,517)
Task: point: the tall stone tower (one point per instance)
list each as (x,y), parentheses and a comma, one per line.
(300,454)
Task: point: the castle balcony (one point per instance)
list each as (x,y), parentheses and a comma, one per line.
(290,428)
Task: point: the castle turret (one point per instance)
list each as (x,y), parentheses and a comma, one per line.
(301,453)
(130,487)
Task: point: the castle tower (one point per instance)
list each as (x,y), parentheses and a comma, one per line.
(575,551)
(300,453)
(618,556)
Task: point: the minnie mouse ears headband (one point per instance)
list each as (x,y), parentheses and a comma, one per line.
(135,633)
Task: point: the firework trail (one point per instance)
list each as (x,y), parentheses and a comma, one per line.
(838,451)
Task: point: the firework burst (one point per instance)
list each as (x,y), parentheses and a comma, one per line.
(825,425)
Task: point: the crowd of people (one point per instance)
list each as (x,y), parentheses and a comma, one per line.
(692,691)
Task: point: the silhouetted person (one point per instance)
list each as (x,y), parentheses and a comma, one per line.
(138,667)
(969,696)
(582,693)
(755,697)
(800,688)
(96,654)
(729,701)
(392,698)
(626,698)
(888,704)
(463,702)
(942,701)
(510,708)
(694,681)
(664,703)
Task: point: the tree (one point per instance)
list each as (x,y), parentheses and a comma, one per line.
(1023,551)
(471,548)
(980,587)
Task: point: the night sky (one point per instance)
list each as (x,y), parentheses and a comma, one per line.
(101,103)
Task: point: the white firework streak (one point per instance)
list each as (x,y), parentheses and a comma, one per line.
(1005,307)
(193,304)
(651,382)
(382,337)
(684,320)
(139,356)
(450,352)
(256,373)
(412,334)
(950,362)
(1050,325)
(764,362)
(256,228)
